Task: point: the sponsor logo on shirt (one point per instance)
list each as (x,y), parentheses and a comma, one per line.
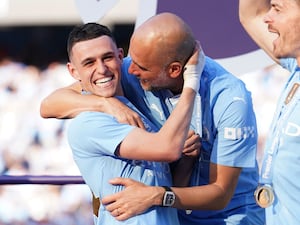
(292,129)
(234,133)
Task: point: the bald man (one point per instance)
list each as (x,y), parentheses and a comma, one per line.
(224,177)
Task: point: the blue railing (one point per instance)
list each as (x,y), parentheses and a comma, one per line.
(32,179)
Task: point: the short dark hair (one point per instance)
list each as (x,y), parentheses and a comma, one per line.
(86,32)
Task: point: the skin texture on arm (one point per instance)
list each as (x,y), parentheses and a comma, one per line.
(252,15)
(214,196)
(168,142)
(137,197)
(67,102)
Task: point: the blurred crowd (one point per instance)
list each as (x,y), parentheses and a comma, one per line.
(31,145)
(265,85)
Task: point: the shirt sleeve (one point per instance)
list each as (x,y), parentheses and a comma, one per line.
(94,133)
(235,143)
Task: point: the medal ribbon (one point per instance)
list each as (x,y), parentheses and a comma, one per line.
(271,149)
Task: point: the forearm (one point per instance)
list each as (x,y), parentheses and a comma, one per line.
(206,197)
(67,103)
(175,130)
(166,144)
(251,15)
(213,196)
(249,9)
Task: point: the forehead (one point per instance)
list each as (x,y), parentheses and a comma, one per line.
(100,44)
(144,55)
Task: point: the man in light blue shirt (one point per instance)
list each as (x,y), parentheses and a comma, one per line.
(102,147)
(274,26)
(229,138)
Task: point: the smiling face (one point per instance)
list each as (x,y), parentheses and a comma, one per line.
(96,63)
(283,19)
(159,49)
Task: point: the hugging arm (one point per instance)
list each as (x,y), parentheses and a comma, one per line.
(67,102)
(138,197)
(215,195)
(167,144)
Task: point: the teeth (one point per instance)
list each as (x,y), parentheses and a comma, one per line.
(104,80)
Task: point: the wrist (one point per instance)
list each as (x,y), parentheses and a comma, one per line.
(192,73)
(158,196)
(169,197)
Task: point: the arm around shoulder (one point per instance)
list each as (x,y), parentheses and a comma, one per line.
(61,103)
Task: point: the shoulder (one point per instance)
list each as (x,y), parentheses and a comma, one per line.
(218,81)
(289,63)
(87,121)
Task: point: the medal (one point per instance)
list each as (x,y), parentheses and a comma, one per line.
(264,196)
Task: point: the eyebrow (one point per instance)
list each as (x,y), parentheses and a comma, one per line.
(86,60)
(141,67)
(107,54)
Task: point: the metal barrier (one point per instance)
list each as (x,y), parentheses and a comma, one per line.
(32,179)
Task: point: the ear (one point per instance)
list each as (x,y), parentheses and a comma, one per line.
(72,70)
(175,69)
(121,54)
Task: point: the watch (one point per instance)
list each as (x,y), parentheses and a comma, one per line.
(169,197)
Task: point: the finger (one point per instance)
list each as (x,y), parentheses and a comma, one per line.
(194,153)
(109,200)
(121,181)
(190,133)
(115,212)
(192,141)
(191,147)
(124,216)
(119,213)
(140,123)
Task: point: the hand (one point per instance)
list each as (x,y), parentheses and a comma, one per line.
(192,144)
(194,59)
(194,68)
(123,113)
(135,199)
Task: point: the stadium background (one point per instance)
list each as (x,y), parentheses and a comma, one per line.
(32,64)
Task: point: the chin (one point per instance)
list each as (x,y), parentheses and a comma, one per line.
(146,88)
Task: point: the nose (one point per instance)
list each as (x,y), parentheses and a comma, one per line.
(101,67)
(267,17)
(133,69)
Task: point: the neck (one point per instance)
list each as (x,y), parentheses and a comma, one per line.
(177,88)
(119,91)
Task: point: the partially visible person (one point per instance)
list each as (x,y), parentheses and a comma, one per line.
(102,147)
(226,175)
(274,26)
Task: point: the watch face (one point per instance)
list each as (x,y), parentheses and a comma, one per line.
(169,198)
